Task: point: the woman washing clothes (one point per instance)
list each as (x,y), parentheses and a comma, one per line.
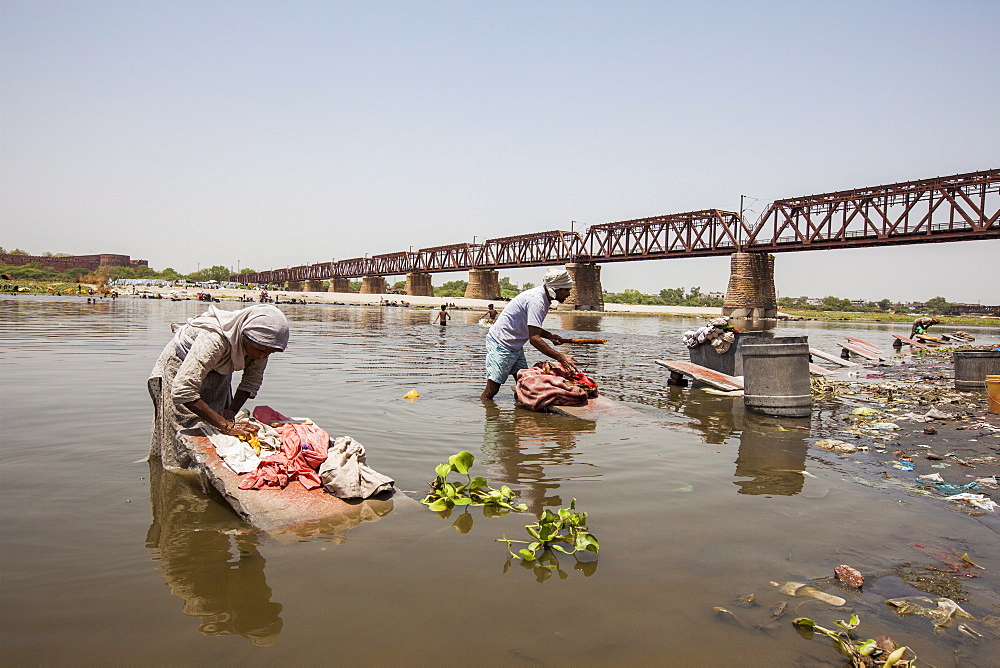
(192,378)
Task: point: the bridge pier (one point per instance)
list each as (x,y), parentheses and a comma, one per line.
(587,294)
(293,286)
(751,287)
(483,284)
(373,285)
(419,284)
(339,285)
(313,285)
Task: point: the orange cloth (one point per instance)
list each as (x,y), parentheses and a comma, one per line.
(303,450)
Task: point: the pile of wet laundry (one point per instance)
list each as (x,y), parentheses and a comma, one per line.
(551,384)
(718,333)
(289,449)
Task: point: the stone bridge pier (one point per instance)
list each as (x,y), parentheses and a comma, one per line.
(293,286)
(373,285)
(587,293)
(339,285)
(483,284)
(313,285)
(419,284)
(751,287)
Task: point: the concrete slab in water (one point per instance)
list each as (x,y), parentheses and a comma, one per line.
(862,351)
(283,510)
(701,374)
(597,407)
(831,358)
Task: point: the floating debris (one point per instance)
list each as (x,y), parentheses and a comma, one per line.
(849,576)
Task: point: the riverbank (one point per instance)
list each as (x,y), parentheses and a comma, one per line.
(851,316)
(462,303)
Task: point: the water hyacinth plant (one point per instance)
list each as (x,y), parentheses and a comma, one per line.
(555,531)
(445,495)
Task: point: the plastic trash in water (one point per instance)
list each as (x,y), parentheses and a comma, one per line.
(412,395)
(978,500)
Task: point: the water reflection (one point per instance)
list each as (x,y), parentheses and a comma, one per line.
(772,451)
(210,560)
(580,322)
(772,455)
(519,444)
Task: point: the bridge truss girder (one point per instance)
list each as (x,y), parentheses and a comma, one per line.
(949,208)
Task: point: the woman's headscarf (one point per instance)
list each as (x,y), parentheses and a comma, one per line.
(263,324)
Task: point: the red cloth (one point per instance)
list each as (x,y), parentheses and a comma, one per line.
(303,450)
(549,383)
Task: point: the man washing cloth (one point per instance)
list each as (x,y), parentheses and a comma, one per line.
(520,322)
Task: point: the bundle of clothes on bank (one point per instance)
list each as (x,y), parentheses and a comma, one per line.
(288,449)
(551,384)
(717,333)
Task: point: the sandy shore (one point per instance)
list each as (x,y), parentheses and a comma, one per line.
(425,302)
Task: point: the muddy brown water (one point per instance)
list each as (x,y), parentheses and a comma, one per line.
(696,505)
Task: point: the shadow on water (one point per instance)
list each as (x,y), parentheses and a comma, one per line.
(211,560)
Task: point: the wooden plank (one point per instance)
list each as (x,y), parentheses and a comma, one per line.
(597,407)
(831,358)
(862,352)
(911,342)
(862,342)
(702,374)
(274,510)
(817,370)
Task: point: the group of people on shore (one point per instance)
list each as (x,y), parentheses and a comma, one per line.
(192,378)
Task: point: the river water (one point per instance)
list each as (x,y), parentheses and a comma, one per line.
(696,505)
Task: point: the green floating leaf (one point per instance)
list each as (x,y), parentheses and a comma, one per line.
(588,542)
(440,505)
(527,555)
(848,625)
(477,483)
(895,657)
(461,500)
(462,461)
(442,470)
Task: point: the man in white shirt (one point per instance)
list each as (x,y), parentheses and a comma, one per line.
(520,322)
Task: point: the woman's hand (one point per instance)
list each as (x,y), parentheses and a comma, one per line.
(228,413)
(556,339)
(242,430)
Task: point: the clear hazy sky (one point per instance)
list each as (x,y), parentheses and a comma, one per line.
(268,134)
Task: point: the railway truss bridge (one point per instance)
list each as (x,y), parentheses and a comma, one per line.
(948,208)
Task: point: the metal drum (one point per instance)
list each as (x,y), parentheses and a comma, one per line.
(776,376)
(972,367)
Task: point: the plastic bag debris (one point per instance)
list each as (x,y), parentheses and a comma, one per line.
(802,589)
(943,611)
(980,501)
(835,445)
(412,395)
(864,411)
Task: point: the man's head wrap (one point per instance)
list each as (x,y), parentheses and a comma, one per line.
(555,279)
